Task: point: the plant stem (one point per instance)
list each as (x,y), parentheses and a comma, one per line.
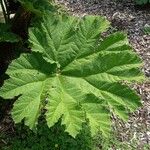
(7,10)
(4,11)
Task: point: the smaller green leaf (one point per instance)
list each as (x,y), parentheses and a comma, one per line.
(142,2)
(147,29)
(37,6)
(6,35)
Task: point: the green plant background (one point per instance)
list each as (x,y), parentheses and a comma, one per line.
(45,138)
(141,2)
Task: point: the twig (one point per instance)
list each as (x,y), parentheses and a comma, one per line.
(7,10)
(4,11)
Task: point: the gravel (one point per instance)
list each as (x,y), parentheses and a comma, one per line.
(126,16)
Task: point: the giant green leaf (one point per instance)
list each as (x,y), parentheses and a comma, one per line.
(73,75)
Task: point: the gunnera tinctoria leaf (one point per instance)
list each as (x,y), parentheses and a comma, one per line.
(74,75)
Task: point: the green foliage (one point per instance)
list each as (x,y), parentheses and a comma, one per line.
(56,138)
(73,75)
(38,7)
(47,139)
(147,30)
(6,35)
(141,2)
